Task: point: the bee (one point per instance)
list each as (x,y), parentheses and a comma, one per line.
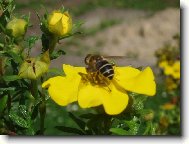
(99,70)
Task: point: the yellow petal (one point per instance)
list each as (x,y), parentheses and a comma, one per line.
(54,18)
(143,83)
(125,72)
(66,22)
(90,96)
(163,64)
(168,70)
(116,101)
(176,68)
(71,71)
(57,28)
(62,90)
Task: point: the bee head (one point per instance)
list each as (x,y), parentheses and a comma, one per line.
(87,59)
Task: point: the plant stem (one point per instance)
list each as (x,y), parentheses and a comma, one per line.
(42,106)
(52,43)
(42,111)
(34,89)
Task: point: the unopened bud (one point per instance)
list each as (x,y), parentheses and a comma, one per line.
(17,27)
(59,23)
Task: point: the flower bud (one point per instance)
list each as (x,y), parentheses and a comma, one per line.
(32,68)
(17,27)
(16,48)
(59,23)
(147,115)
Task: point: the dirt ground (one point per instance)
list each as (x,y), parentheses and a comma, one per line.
(138,35)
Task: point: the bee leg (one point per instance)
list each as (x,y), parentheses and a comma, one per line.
(84,76)
(105,81)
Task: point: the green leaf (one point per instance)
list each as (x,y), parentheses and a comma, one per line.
(15,56)
(57,54)
(18,120)
(10,78)
(7,89)
(31,41)
(24,112)
(12,55)
(118,131)
(35,111)
(3,102)
(78,121)
(69,130)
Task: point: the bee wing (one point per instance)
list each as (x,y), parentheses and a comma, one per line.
(118,57)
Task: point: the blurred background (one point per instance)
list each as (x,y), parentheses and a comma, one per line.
(131,28)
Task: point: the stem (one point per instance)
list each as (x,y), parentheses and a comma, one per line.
(42,106)
(52,43)
(147,128)
(42,111)
(34,89)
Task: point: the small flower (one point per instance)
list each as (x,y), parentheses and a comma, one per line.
(59,23)
(32,68)
(171,69)
(17,27)
(171,84)
(168,106)
(65,90)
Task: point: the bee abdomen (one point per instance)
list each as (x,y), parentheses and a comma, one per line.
(105,68)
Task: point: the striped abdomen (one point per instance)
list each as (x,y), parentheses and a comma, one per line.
(105,68)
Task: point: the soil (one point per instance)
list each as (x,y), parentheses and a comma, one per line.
(139,35)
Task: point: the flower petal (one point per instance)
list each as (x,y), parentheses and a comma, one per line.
(62,90)
(90,96)
(125,72)
(54,17)
(142,83)
(66,22)
(116,101)
(71,71)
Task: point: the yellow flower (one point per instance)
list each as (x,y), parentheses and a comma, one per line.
(171,84)
(59,23)
(17,27)
(173,70)
(65,90)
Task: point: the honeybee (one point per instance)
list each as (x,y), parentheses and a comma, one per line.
(99,70)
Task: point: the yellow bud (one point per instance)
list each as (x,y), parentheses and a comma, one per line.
(59,24)
(149,116)
(32,68)
(17,27)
